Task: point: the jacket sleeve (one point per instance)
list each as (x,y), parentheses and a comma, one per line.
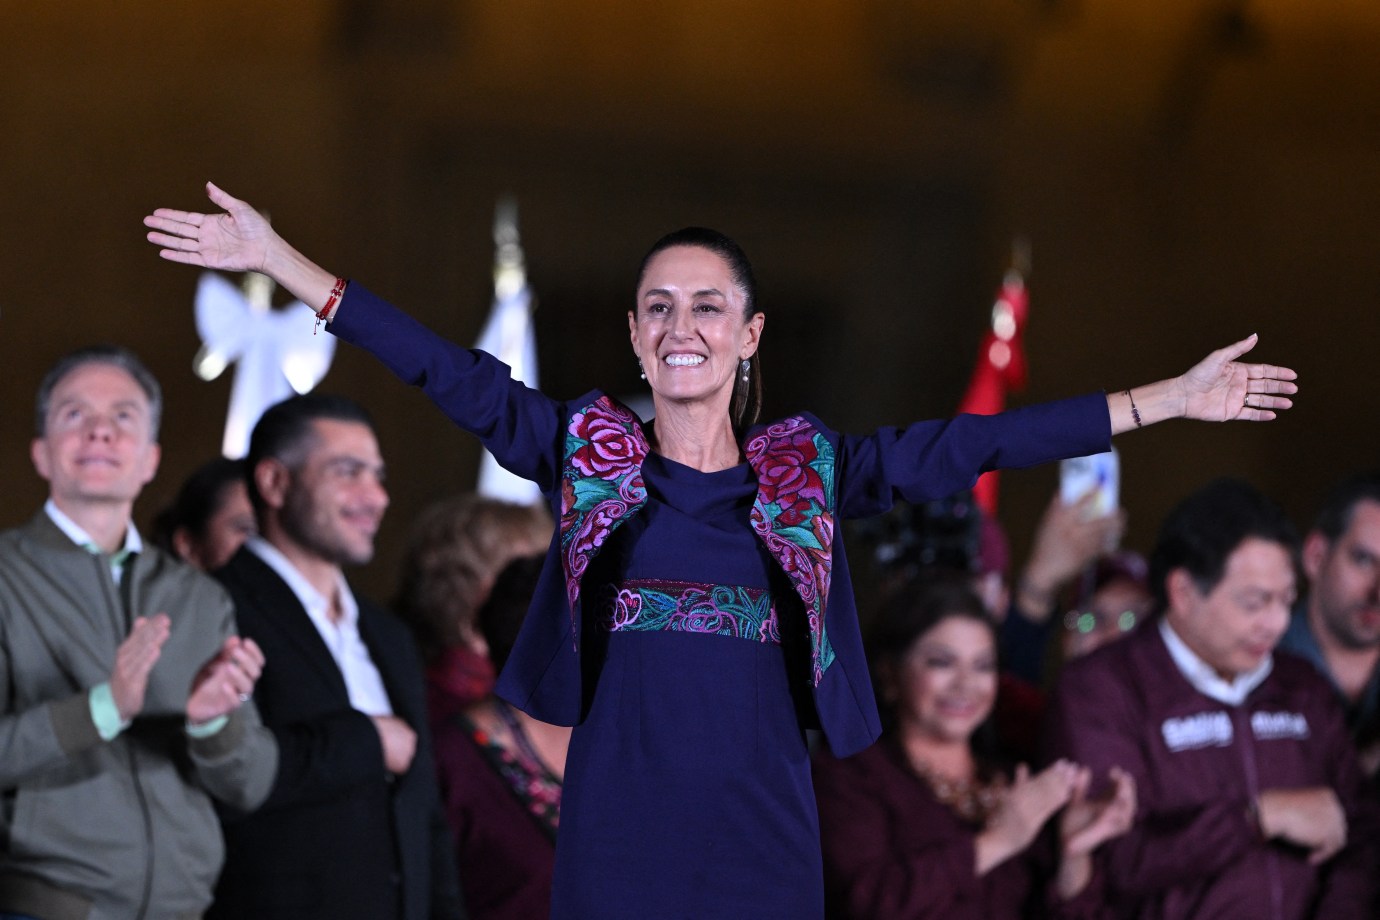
(1089,904)
(1094,719)
(929,460)
(867,869)
(446,896)
(1349,886)
(322,758)
(517,424)
(447,902)
(41,736)
(237,764)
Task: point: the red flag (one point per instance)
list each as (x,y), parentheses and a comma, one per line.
(1000,369)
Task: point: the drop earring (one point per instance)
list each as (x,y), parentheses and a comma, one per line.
(641,371)
(744,367)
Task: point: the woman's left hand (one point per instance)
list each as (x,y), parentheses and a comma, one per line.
(1220,388)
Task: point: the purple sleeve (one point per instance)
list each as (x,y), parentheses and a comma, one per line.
(1095,719)
(1025,644)
(870,870)
(932,459)
(1088,904)
(1348,881)
(517,424)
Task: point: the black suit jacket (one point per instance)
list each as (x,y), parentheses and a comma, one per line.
(339,836)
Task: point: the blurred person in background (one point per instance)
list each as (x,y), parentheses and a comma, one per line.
(352,829)
(500,773)
(930,822)
(210,517)
(455,550)
(123,684)
(1069,540)
(1110,601)
(952,537)
(1251,801)
(1336,625)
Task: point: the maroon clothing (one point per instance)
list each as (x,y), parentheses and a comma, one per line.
(456,680)
(1196,850)
(505,857)
(1018,717)
(892,851)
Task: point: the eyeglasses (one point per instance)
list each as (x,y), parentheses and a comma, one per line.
(1086,621)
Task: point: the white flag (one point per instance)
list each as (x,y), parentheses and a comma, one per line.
(508,336)
(276,352)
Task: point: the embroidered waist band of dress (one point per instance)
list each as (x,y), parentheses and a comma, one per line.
(653,605)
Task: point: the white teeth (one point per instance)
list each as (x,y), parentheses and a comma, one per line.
(684,360)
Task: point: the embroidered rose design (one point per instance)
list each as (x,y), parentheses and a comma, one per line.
(602,484)
(609,449)
(793,514)
(786,478)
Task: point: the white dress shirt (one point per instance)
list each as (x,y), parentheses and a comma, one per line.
(362,679)
(133,543)
(1205,679)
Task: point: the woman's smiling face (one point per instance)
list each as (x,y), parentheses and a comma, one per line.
(690,329)
(947,681)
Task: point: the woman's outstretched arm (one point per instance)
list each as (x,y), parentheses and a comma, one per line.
(519,425)
(238,239)
(1218,388)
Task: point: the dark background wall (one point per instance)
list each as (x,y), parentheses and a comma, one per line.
(1187,173)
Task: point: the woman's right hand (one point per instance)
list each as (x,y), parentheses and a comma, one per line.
(1030,801)
(1088,823)
(240,239)
(1069,538)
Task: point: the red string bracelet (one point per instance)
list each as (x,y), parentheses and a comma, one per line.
(325,314)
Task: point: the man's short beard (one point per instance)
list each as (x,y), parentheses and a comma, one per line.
(1342,633)
(296,519)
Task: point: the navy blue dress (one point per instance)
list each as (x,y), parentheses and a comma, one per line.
(691,625)
(688,789)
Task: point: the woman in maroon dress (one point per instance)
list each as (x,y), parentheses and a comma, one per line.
(927,823)
(500,774)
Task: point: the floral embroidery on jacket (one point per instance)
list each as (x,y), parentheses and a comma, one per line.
(793,515)
(601,484)
(650,605)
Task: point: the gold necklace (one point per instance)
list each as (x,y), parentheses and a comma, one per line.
(970,799)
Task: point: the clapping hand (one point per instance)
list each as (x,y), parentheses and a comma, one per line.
(226,682)
(1030,801)
(1087,823)
(134,661)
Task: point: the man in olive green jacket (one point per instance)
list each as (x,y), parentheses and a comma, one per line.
(123,688)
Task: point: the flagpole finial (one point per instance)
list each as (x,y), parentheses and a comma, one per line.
(258,291)
(1020,255)
(510,270)
(508,336)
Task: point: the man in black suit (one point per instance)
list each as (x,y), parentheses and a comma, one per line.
(352,828)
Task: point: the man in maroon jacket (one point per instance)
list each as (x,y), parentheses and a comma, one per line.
(1249,793)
